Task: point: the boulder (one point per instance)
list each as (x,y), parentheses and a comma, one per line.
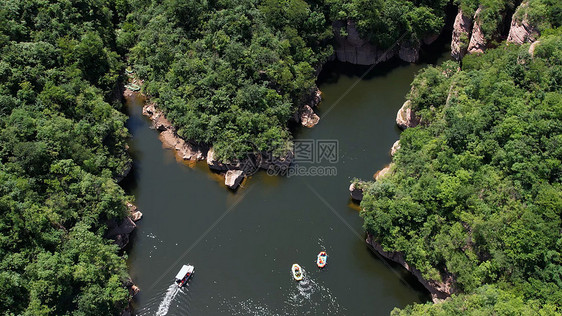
(406,117)
(307,116)
(521,31)
(355,191)
(395,148)
(477,40)
(134,290)
(134,212)
(461,34)
(233,178)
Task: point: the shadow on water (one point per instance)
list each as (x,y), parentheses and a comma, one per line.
(406,278)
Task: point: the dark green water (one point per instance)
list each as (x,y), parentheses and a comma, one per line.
(243,244)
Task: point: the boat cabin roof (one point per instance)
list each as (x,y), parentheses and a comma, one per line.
(184,270)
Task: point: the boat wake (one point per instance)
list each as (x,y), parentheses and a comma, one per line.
(304,297)
(164,305)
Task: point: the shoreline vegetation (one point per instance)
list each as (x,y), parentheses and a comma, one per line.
(232,75)
(472,204)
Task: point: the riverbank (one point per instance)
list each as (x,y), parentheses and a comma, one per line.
(182,202)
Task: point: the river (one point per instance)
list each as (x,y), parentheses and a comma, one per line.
(243,243)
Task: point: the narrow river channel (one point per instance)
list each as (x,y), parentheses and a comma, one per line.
(243,244)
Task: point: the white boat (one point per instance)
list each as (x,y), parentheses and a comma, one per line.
(185,273)
(297,272)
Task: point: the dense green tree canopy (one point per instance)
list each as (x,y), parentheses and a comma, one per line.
(476,188)
(231,73)
(61,146)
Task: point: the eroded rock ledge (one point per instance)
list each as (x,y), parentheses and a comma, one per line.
(439,290)
(234,172)
(406,117)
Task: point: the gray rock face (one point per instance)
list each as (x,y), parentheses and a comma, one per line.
(521,31)
(409,51)
(461,35)
(233,178)
(406,117)
(439,289)
(353,49)
(477,40)
(120,231)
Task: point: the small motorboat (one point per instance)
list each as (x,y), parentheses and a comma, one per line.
(185,273)
(322,259)
(297,272)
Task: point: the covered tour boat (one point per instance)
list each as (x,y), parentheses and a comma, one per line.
(184,274)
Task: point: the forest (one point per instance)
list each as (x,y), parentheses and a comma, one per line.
(475,190)
(233,73)
(62,145)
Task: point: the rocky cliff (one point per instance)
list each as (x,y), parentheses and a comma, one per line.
(439,290)
(468,36)
(521,31)
(406,117)
(461,35)
(350,47)
(477,39)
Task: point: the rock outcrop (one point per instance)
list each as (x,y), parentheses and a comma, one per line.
(461,34)
(134,212)
(409,51)
(521,31)
(213,163)
(477,40)
(439,290)
(169,137)
(307,116)
(356,191)
(233,178)
(406,117)
(395,148)
(532,48)
(120,231)
(383,172)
